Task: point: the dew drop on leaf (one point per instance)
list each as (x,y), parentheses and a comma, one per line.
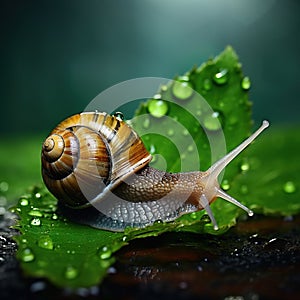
(246,83)
(45,242)
(205,218)
(105,252)
(244,189)
(27,255)
(23,202)
(193,215)
(35,213)
(158,221)
(190,148)
(244,166)
(238,67)
(199,112)
(4,186)
(221,77)
(185,132)
(164,88)
(213,122)
(225,185)
(289,187)
(54,217)
(35,222)
(71,272)
(152,149)
(170,132)
(182,90)
(38,195)
(207,85)
(158,108)
(146,123)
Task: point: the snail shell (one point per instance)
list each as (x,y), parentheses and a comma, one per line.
(86,150)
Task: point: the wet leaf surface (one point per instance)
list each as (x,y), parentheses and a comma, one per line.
(257,259)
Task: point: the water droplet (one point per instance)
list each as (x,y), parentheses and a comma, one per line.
(238,67)
(119,115)
(158,221)
(4,186)
(170,132)
(124,238)
(194,215)
(146,123)
(244,166)
(233,120)
(54,217)
(158,108)
(221,103)
(185,132)
(71,272)
(190,148)
(182,90)
(184,77)
(225,185)
(38,195)
(244,189)
(213,122)
(157,97)
(164,88)
(105,252)
(152,149)
(45,242)
(289,187)
(207,84)
(35,213)
(23,202)
(35,222)
(221,77)
(27,255)
(205,218)
(246,83)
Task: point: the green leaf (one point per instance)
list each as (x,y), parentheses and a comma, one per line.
(66,253)
(183,117)
(270,181)
(72,255)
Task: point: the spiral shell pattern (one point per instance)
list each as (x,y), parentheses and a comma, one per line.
(87,152)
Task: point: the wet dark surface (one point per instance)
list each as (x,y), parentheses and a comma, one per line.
(258,259)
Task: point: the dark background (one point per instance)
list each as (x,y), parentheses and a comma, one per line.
(56,56)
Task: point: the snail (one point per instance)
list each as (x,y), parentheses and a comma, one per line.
(98,168)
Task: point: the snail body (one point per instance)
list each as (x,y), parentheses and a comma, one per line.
(98,168)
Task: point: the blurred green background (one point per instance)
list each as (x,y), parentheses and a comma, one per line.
(56,56)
